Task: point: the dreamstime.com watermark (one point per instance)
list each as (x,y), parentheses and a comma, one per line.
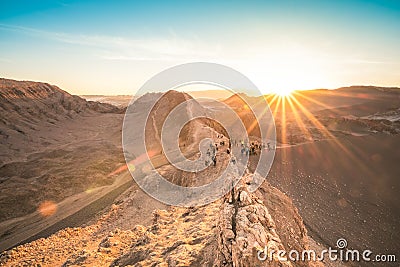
(340,253)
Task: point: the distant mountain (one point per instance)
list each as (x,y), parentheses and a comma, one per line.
(360,100)
(213,94)
(35,101)
(369,89)
(164,105)
(28,107)
(24,103)
(120,101)
(352,100)
(371,109)
(238,100)
(52,145)
(241,103)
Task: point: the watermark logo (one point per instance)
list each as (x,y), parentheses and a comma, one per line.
(340,253)
(154,123)
(341,243)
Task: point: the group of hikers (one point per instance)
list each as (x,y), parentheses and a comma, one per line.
(251,148)
(212,154)
(247,149)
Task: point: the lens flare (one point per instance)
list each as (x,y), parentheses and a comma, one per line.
(47,208)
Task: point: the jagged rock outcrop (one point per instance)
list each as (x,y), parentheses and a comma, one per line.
(245,229)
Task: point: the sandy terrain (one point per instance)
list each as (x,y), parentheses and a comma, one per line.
(35,225)
(78,155)
(353,196)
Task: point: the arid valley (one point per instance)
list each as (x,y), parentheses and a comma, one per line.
(67,197)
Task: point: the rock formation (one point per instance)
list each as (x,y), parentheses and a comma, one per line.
(228,232)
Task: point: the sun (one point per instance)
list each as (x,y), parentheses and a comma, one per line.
(284,92)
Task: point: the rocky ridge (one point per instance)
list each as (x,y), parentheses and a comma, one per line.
(227,232)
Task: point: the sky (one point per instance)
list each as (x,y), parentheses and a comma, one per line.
(113,47)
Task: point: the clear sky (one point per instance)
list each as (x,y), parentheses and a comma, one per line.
(113,47)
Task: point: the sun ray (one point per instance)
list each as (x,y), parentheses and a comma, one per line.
(321,127)
(272,128)
(312,100)
(260,115)
(314,120)
(298,118)
(277,105)
(283,121)
(273,100)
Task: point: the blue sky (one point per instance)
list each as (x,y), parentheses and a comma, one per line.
(113,47)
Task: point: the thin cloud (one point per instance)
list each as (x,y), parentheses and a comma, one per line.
(365,61)
(5,60)
(121,48)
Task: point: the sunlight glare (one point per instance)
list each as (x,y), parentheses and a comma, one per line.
(289,68)
(284,92)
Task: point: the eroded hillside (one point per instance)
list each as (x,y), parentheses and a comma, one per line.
(52,145)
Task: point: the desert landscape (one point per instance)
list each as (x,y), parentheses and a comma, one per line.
(67,196)
(200,133)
